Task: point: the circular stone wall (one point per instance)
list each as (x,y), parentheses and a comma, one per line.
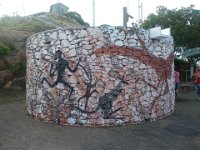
(100,76)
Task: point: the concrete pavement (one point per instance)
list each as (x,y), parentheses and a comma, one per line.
(180,131)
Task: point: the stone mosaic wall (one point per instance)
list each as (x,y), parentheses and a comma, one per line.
(99,76)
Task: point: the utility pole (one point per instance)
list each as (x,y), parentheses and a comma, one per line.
(140,13)
(93,12)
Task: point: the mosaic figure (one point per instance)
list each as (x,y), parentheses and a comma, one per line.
(60,67)
(105,102)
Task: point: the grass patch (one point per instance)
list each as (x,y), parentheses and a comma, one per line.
(11,95)
(23,23)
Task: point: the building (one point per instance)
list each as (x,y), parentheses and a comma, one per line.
(59,8)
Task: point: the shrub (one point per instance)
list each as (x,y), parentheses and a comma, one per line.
(76,16)
(4,50)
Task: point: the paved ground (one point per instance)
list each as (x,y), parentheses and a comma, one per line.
(180,131)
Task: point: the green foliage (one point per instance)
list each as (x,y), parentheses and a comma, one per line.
(184,24)
(21,71)
(9,44)
(4,50)
(76,16)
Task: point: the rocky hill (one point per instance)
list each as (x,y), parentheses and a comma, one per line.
(13,33)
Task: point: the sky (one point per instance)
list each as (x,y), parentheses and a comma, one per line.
(106,11)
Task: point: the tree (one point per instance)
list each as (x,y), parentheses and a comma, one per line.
(184,24)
